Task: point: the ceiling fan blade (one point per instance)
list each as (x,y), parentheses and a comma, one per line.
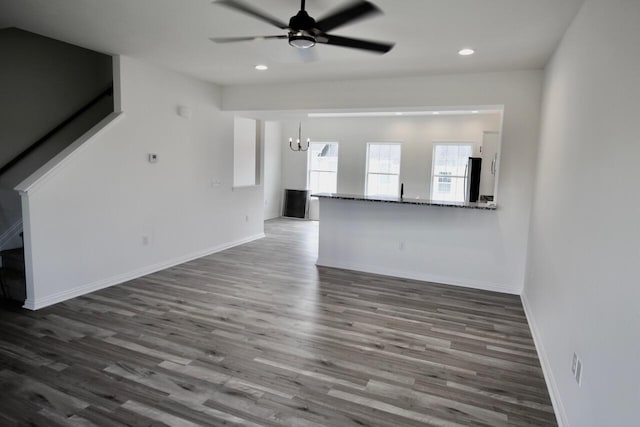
(355,43)
(250,10)
(349,13)
(244,39)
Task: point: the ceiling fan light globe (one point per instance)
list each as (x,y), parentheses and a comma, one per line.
(301,41)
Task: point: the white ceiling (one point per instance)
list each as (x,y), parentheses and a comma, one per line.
(507,35)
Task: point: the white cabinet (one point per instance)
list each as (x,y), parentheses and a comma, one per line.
(489,154)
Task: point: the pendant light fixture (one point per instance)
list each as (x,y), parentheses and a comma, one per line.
(298,146)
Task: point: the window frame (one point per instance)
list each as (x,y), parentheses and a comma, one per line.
(434,144)
(309,170)
(366,174)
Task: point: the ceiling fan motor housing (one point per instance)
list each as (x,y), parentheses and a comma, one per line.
(302,22)
(301,34)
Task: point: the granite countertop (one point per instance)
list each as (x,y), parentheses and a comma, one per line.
(406,201)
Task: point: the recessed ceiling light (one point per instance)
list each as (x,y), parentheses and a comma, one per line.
(436,112)
(398,114)
(261,67)
(475,112)
(466,52)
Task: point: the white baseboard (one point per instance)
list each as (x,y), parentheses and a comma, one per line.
(552,386)
(38,303)
(425,277)
(10,234)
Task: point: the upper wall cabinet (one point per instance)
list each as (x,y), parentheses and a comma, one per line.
(489,152)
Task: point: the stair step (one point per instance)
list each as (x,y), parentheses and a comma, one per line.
(13,259)
(15,284)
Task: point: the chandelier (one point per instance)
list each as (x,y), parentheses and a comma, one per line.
(298,146)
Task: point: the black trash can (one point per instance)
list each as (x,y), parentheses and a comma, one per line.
(295,203)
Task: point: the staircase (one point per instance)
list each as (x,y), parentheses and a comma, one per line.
(63,100)
(12,275)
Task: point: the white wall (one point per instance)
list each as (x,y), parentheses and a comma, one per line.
(519,92)
(582,289)
(245,146)
(416,134)
(88,219)
(272,169)
(436,244)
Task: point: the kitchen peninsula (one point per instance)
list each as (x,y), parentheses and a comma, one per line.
(443,242)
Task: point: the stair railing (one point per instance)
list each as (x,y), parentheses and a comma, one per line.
(107,92)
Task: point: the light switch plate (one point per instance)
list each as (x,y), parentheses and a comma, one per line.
(153,158)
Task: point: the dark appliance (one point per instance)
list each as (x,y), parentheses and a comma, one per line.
(472,179)
(295,203)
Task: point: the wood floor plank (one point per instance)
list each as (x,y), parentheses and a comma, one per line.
(257,335)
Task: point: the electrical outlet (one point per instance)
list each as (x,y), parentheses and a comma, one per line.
(145,240)
(246,218)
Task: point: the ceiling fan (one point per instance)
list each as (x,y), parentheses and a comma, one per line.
(304,32)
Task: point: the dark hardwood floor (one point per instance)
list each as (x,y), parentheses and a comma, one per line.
(258,335)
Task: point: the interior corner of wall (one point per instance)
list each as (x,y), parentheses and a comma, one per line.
(117,83)
(547,371)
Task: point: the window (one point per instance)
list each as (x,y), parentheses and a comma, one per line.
(323,167)
(449,170)
(444,183)
(383,169)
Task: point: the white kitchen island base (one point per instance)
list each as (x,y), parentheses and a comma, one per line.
(455,245)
